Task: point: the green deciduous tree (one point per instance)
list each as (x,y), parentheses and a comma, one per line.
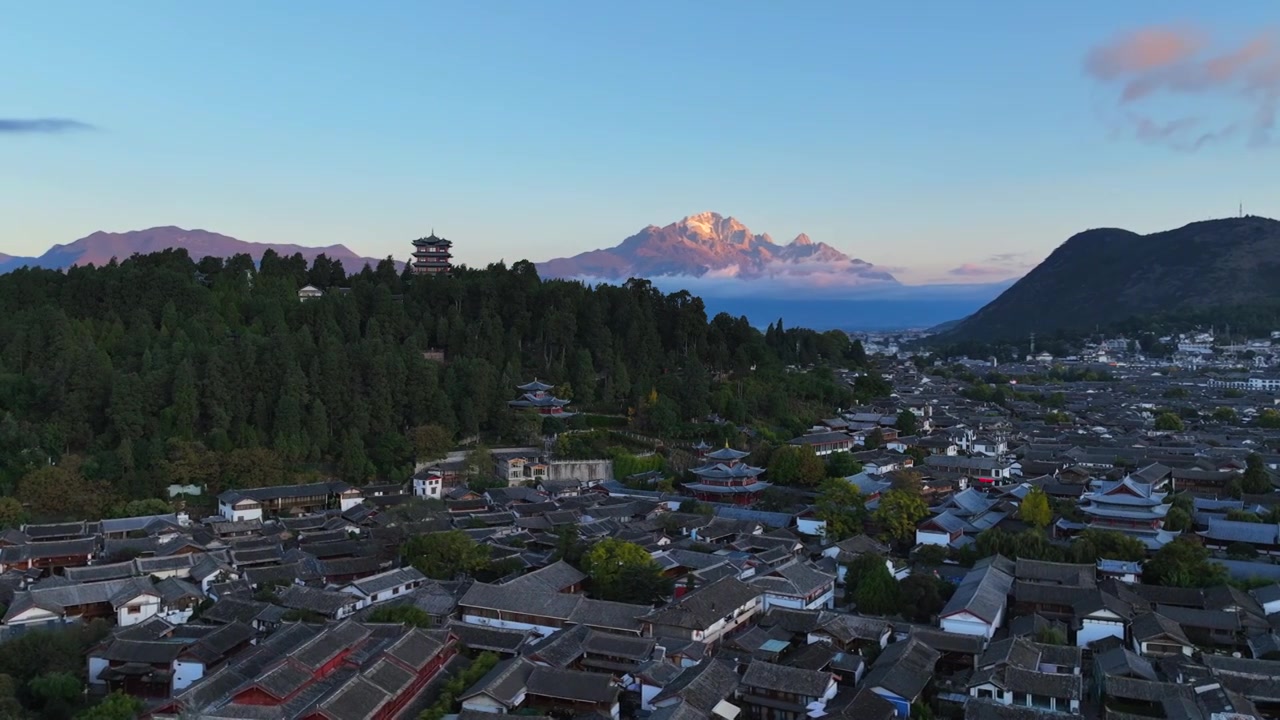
(898,514)
(1051,635)
(10,706)
(1184,562)
(1177,519)
(1256,480)
(1241,551)
(874,440)
(907,423)
(1225,415)
(872,588)
(625,572)
(796,465)
(908,481)
(57,492)
(922,596)
(12,514)
(116,706)
(1234,488)
(253,467)
(1035,510)
(1091,545)
(443,555)
(403,614)
(142,508)
(842,465)
(480,464)
(841,507)
(56,694)
(1169,422)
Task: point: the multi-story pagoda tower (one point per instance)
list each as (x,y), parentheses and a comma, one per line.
(431,255)
(725,478)
(1129,506)
(537,396)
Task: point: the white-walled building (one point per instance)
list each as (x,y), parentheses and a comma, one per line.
(979,604)
(256,503)
(385,586)
(428,484)
(796,585)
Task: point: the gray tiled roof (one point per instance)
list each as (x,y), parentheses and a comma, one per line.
(562,648)
(504,683)
(389,676)
(552,578)
(573,685)
(481,637)
(703,607)
(798,579)
(1069,574)
(621,646)
(1152,625)
(983,593)
(547,604)
(57,598)
(781,678)
(678,711)
(387,580)
(702,686)
(149,652)
(416,648)
(903,668)
(326,645)
(325,602)
(357,699)
(1240,531)
(284,679)
(606,615)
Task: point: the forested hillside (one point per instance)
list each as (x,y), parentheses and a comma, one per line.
(116,381)
(1102,278)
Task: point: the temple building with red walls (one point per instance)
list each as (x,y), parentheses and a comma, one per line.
(725,478)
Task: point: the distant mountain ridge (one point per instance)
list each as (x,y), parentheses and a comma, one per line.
(100,247)
(710,244)
(1104,276)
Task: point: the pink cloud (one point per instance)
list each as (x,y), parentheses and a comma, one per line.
(1159,63)
(974,270)
(1143,50)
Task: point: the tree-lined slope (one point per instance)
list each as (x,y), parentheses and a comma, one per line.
(133,375)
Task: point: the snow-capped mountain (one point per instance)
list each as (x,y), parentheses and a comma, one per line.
(711,245)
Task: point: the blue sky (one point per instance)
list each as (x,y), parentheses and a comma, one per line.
(922,136)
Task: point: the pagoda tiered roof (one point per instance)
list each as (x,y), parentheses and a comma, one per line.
(432,241)
(750,488)
(536,396)
(721,471)
(1124,499)
(727,454)
(1105,511)
(534,400)
(1126,492)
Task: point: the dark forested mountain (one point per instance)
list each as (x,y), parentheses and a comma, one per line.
(1107,276)
(155,370)
(101,247)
